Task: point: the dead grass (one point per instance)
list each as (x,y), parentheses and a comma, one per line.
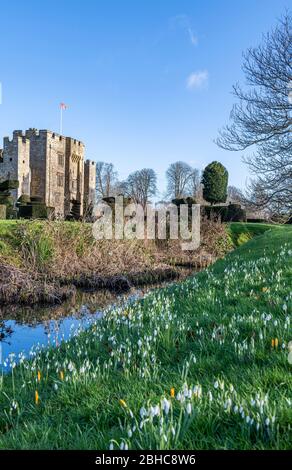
(50,254)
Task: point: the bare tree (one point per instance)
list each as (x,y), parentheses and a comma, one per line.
(106,178)
(179,175)
(195,183)
(182,180)
(262,117)
(235,195)
(141,185)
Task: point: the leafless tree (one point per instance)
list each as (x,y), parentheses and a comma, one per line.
(262,117)
(106,178)
(178,176)
(141,185)
(235,195)
(195,183)
(182,180)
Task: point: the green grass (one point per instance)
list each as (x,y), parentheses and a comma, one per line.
(209,338)
(242,232)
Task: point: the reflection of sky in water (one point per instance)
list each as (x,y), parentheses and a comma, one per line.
(48,333)
(34,331)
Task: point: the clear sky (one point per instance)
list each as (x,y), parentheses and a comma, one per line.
(147,82)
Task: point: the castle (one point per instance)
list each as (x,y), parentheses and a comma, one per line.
(50,167)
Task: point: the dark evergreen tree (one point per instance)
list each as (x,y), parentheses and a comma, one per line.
(215,182)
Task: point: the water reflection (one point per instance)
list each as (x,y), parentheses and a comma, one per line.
(21,328)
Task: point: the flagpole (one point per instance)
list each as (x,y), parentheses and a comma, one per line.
(61,120)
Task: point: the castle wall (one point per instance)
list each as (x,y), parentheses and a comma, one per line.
(47,159)
(74,173)
(55,174)
(15,163)
(89,182)
(49,166)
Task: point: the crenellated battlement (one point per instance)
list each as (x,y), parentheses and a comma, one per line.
(49,166)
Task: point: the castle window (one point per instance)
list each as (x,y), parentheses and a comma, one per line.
(10,159)
(60,180)
(60,159)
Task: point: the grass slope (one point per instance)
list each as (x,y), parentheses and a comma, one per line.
(241,232)
(198,365)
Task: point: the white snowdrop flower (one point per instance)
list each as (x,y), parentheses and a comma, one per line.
(216,384)
(126,446)
(247,419)
(143,412)
(284,307)
(111,446)
(156,410)
(210,396)
(165,405)
(122,446)
(140,343)
(189,408)
(258,426)
(56,386)
(267,421)
(153,411)
(130,434)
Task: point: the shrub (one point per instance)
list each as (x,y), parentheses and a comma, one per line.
(23,199)
(230,213)
(33,211)
(9,184)
(215,181)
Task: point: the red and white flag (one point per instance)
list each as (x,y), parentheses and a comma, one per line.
(63,106)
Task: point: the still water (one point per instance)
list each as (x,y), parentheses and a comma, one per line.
(22,328)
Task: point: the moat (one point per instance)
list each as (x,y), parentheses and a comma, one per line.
(26,329)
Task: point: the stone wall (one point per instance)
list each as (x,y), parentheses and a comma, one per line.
(48,166)
(47,159)
(15,163)
(89,182)
(55,173)
(74,173)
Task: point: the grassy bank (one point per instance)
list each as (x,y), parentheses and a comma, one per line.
(198,365)
(241,232)
(40,257)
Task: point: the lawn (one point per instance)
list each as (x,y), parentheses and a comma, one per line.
(201,364)
(241,232)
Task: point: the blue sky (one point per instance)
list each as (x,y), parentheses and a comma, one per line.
(147,82)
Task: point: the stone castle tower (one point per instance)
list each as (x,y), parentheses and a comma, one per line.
(14,163)
(89,183)
(48,166)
